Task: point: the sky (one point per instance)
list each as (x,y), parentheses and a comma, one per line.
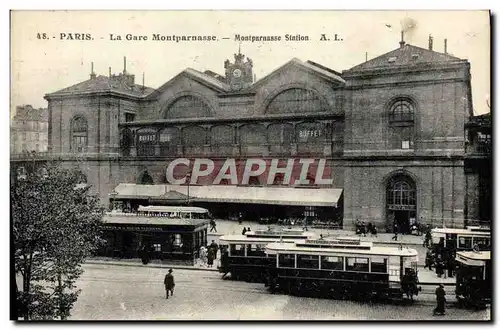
(41,66)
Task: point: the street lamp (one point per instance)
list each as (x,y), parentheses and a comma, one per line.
(188,178)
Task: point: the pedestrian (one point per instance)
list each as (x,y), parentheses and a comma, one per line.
(439,266)
(451,265)
(210,257)
(248,229)
(395,230)
(440,299)
(203,255)
(428,260)
(213,225)
(169,283)
(243,231)
(214,248)
(240,218)
(428,238)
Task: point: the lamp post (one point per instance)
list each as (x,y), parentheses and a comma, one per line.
(188,178)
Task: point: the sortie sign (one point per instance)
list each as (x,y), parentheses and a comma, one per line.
(292,171)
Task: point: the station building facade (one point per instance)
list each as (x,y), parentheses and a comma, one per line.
(381,142)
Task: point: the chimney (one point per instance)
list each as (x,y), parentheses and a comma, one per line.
(366,56)
(92,73)
(402,42)
(110,72)
(446,46)
(124,64)
(430,42)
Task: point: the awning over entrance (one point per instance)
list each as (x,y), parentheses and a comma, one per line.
(233,194)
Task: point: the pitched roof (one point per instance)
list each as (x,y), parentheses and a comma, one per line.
(313,67)
(405,56)
(208,79)
(105,84)
(28,113)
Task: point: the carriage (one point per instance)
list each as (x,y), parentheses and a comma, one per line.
(473,273)
(342,268)
(245,256)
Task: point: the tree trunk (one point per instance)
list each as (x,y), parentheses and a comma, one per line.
(60,289)
(26,288)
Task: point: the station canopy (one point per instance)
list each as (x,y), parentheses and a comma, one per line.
(322,197)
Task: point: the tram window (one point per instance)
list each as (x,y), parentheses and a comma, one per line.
(481,242)
(287,260)
(237,250)
(255,250)
(332,263)
(379,265)
(307,261)
(465,242)
(357,264)
(157,247)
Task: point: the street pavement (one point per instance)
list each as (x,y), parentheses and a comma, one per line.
(111,292)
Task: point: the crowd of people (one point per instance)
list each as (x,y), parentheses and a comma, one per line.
(208,254)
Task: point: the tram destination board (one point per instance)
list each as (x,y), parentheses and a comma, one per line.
(250,165)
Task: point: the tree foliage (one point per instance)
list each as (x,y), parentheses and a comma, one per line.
(56,226)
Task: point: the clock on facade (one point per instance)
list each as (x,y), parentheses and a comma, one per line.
(237,73)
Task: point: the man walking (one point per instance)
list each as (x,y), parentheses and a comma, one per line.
(215,248)
(395,229)
(169,283)
(441,300)
(213,225)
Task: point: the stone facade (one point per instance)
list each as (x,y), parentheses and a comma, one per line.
(392,125)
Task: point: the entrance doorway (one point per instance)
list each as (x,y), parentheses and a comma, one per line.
(403,218)
(401,207)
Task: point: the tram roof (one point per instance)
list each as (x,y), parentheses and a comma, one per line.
(135,219)
(182,209)
(472,255)
(460,231)
(338,250)
(243,239)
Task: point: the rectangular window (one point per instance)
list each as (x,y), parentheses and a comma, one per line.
(481,242)
(255,250)
(157,247)
(379,265)
(237,249)
(287,260)
(129,117)
(405,144)
(332,263)
(178,240)
(307,261)
(357,264)
(37,136)
(465,243)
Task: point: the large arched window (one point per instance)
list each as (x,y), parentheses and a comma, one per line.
(401,122)
(402,110)
(79,134)
(296,100)
(222,139)
(188,106)
(401,194)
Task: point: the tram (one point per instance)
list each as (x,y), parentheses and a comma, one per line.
(245,257)
(343,268)
(473,273)
(462,239)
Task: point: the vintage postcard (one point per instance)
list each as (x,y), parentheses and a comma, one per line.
(250,165)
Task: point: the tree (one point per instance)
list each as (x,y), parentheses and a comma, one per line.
(56,226)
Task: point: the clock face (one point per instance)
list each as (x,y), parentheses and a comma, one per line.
(237,73)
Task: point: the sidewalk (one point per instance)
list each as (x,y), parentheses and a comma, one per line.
(152,264)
